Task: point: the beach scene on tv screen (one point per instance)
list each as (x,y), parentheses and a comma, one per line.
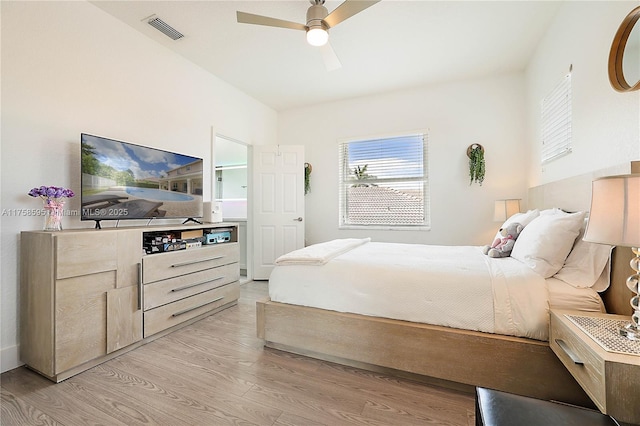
(126,181)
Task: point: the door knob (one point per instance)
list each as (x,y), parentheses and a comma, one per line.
(298,219)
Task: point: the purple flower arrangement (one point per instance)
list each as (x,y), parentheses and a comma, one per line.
(53,199)
(51,193)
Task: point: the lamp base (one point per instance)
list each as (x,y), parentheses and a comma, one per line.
(630,331)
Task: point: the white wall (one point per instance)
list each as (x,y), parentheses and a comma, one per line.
(490,111)
(606,124)
(501,113)
(67,68)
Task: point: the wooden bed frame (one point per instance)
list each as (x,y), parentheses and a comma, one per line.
(445,356)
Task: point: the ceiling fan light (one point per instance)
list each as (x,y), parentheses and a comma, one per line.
(317,36)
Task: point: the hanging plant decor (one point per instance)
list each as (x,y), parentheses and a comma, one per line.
(307,173)
(475,152)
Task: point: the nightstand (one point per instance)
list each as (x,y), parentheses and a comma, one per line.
(611,379)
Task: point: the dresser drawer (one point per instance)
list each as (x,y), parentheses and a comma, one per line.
(161,266)
(588,368)
(167,291)
(85,253)
(163,317)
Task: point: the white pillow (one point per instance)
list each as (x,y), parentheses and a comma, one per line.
(545,243)
(605,279)
(554,210)
(522,218)
(586,265)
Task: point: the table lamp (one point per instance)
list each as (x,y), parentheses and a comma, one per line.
(615,219)
(504,209)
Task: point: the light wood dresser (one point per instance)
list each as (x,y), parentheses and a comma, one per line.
(89,295)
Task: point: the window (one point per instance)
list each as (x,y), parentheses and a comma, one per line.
(384,182)
(556,121)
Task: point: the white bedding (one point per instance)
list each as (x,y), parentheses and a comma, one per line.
(567,297)
(453,286)
(321,253)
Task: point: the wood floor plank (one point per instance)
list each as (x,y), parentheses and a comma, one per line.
(312,387)
(61,402)
(187,410)
(216,372)
(307,407)
(196,391)
(110,393)
(15,411)
(269,373)
(201,366)
(287,419)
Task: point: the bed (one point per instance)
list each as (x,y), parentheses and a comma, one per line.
(495,344)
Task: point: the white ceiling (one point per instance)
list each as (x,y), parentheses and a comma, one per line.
(392,45)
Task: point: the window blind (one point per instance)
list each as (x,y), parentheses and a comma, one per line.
(556,121)
(383,182)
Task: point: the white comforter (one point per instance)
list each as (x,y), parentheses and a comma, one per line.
(453,286)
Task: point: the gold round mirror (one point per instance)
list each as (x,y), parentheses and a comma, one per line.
(624,58)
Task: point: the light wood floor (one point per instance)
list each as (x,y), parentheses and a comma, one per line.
(216,372)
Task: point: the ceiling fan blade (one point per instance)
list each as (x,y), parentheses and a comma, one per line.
(249,18)
(331,61)
(347,10)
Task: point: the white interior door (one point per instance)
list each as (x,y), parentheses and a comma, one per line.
(278,187)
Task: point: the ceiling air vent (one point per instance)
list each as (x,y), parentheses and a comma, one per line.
(165,28)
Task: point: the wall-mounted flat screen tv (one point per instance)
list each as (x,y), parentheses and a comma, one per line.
(121,180)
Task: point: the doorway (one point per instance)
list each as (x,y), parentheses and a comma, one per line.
(231,193)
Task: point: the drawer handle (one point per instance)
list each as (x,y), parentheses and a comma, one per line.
(195,284)
(139,286)
(569,352)
(177,314)
(191,262)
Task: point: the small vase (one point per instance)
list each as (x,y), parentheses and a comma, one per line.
(53,213)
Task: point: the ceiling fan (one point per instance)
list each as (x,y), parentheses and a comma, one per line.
(319,20)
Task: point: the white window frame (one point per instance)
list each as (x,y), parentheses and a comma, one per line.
(344,181)
(556,122)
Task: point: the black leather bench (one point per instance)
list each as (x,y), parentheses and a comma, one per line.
(495,408)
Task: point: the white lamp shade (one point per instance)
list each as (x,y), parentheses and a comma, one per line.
(615,211)
(317,36)
(504,209)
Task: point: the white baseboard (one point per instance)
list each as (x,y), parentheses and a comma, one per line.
(10,358)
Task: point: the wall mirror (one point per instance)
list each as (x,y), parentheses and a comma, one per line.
(624,57)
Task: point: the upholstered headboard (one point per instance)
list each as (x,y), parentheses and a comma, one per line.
(574,194)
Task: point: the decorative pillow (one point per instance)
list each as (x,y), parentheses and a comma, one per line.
(545,243)
(586,264)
